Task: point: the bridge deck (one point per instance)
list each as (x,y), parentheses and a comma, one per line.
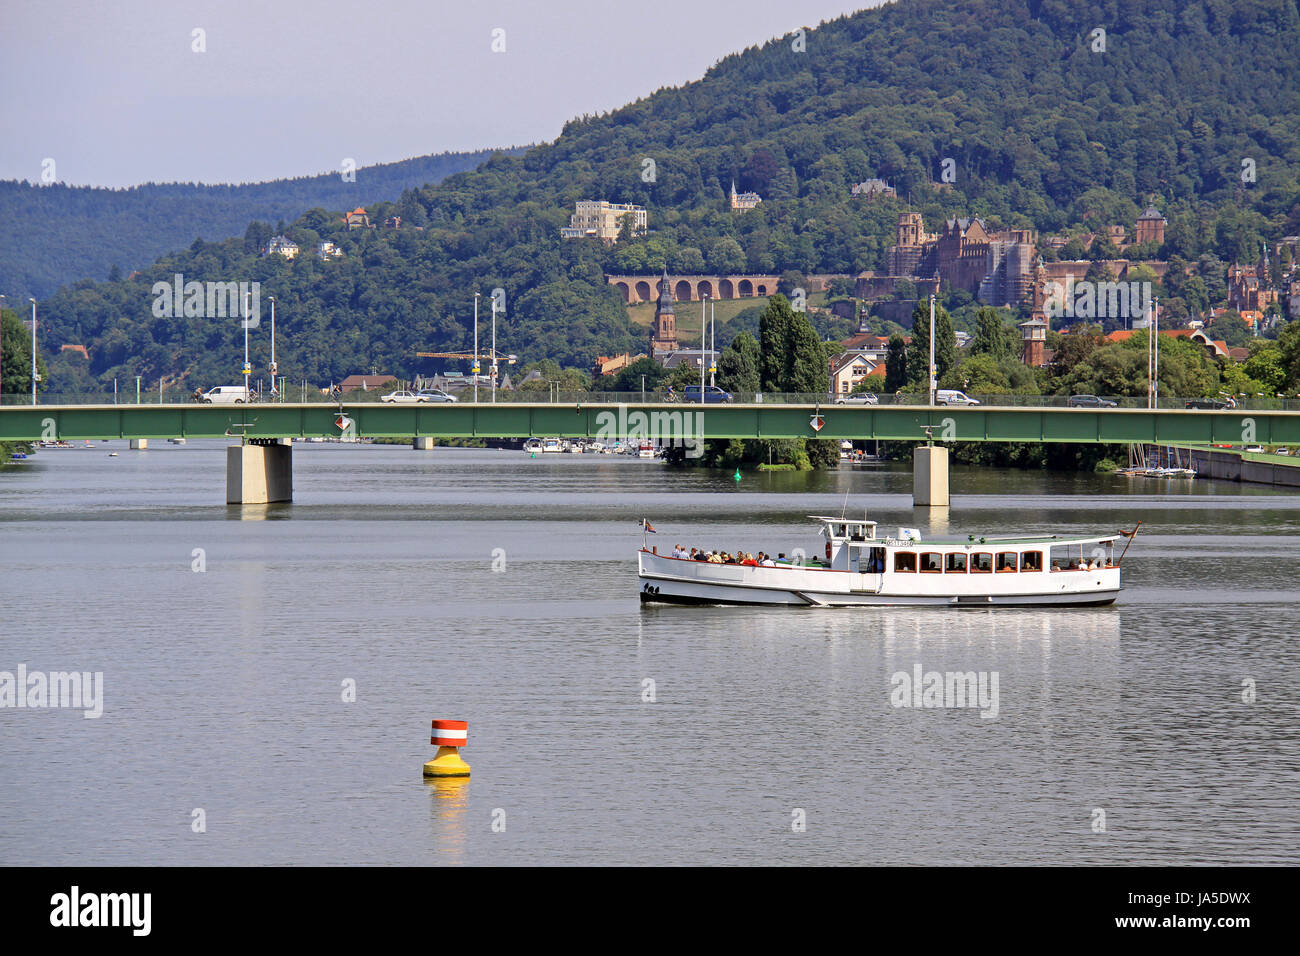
(662,421)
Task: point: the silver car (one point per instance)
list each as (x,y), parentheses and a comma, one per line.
(857,398)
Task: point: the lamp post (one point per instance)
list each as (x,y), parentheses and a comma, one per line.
(474,368)
(35,377)
(704,341)
(494,348)
(274,368)
(247,368)
(713,342)
(933,383)
(2,351)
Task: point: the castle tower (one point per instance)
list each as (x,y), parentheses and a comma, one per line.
(1150,227)
(663,331)
(909,229)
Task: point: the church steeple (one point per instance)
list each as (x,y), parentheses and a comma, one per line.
(663,331)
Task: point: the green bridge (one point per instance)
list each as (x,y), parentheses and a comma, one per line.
(656,421)
(259,468)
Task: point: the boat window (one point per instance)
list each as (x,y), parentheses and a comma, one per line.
(1031,561)
(981,563)
(1006,561)
(876,565)
(931,562)
(955,563)
(904,561)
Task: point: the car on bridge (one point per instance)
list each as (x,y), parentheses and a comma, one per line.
(435,395)
(1089,401)
(950,396)
(226,395)
(712,394)
(1211,403)
(405,397)
(857,398)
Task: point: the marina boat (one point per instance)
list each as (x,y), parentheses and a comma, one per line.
(862,569)
(533,446)
(646,449)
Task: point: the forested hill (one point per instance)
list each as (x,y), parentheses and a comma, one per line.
(56,234)
(1045,126)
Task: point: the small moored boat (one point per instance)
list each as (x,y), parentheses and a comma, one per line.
(862,569)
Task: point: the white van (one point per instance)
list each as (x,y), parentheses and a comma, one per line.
(226,395)
(950,396)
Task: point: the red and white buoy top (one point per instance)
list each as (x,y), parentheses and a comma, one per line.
(450,733)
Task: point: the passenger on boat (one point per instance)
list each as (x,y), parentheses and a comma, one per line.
(766,561)
(750,561)
(701,556)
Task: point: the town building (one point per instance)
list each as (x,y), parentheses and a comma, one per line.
(612,365)
(872,188)
(692,357)
(366,382)
(852,368)
(1248,289)
(598,219)
(328,250)
(357,219)
(282,246)
(743,200)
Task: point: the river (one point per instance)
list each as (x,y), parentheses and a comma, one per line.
(501,589)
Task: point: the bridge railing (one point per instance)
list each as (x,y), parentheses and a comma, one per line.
(313,396)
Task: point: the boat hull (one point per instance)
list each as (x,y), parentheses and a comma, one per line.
(673,581)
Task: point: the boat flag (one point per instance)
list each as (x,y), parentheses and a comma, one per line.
(1128,534)
(648,527)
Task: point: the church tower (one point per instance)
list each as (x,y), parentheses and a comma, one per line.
(663,331)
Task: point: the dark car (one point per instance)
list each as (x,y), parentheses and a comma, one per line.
(1211,403)
(1089,401)
(712,394)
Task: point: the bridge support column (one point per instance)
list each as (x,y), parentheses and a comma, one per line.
(930,477)
(139,443)
(422,444)
(259,474)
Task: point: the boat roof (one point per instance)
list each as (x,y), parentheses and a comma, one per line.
(970,540)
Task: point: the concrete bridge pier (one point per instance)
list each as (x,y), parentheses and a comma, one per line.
(139,443)
(422,443)
(259,472)
(930,477)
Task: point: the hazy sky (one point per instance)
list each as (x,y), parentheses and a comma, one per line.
(113,92)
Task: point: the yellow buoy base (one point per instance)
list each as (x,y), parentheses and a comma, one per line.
(447,763)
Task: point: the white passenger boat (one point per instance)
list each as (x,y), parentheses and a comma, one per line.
(860,568)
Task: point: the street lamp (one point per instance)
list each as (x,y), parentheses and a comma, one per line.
(35,376)
(2,350)
(247,368)
(704,340)
(475,367)
(274,368)
(933,383)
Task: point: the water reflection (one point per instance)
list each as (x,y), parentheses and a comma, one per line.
(449,801)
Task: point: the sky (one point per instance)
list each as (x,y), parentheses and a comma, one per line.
(117,92)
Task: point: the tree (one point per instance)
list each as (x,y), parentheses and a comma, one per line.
(896,364)
(775,326)
(738,366)
(1231,328)
(992,337)
(16,370)
(629,379)
(945,344)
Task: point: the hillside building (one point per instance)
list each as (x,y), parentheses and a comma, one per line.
(282,246)
(663,330)
(743,200)
(1150,227)
(598,219)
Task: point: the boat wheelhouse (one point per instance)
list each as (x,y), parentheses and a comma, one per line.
(859,568)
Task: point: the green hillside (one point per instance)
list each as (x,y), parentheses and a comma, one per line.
(56,234)
(1043,132)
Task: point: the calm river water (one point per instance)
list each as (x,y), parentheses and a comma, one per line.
(1122,735)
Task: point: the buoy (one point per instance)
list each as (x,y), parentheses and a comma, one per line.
(448,736)
(737,475)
